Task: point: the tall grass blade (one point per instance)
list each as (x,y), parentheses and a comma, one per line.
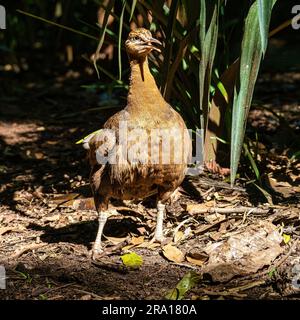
(132,8)
(168,45)
(249,65)
(264,8)
(57,24)
(108,10)
(120,39)
(208,44)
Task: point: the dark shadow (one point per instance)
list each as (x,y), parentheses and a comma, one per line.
(85,232)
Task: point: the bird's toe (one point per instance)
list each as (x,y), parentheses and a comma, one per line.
(157,238)
(96,252)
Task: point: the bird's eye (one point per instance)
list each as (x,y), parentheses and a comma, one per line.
(135,38)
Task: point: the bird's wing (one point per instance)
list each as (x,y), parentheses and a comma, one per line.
(101,143)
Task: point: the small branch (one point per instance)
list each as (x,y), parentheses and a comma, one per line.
(96,296)
(184,265)
(198,209)
(60,287)
(115,248)
(30,247)
(223,293)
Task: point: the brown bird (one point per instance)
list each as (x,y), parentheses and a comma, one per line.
(142,150)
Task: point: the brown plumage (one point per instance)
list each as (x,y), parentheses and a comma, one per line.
(146,112)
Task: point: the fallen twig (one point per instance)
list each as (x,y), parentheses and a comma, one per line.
(198,209)
(115,248)
(247,286)
(97,296)
(223,293)
(30,247)
(60,287)
(184,265)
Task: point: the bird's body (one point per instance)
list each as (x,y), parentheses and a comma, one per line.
(147,167)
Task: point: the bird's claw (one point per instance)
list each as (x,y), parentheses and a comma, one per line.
(157,238)
(96,252)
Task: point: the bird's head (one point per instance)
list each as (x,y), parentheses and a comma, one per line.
(140,43)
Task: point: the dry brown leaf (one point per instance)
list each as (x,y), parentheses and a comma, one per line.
(127,247)
(229,199)
(39,155)
(179,235)
(137,240)
(282,187)
(141,230)
(212,218)
(194,261)
(172,253)
(152,246)
(5,230)
(52,218)
(148,245)
(198,258)
(244,252)
(115,240)
(194,208)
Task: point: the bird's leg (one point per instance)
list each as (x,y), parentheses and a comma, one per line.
(158,234)
(97,247)
(102,218)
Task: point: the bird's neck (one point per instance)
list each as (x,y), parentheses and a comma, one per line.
(143,92)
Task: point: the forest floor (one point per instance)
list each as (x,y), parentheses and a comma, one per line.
(45,242)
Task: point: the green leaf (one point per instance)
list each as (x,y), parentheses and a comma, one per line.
(183,286)
(296,155)
(243,92)
(265,193)
(82,140)
(108,10)
(223,91)
(168,45)
(208,44)
(264,8)
(132,8)
(132,260)
(252,162)
(272,272)
(56,24)
(120,38)
(286,238)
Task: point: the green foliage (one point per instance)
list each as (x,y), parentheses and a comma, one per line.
(183,286)
(208,44)
(264,9)
(86,137)
(103,30)
(132,260)
(251,55)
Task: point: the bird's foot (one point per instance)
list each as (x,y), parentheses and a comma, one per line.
(96,252)
(157,238)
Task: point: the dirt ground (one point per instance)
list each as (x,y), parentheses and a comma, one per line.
(44,243)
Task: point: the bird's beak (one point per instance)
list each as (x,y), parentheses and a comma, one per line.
(151,41)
